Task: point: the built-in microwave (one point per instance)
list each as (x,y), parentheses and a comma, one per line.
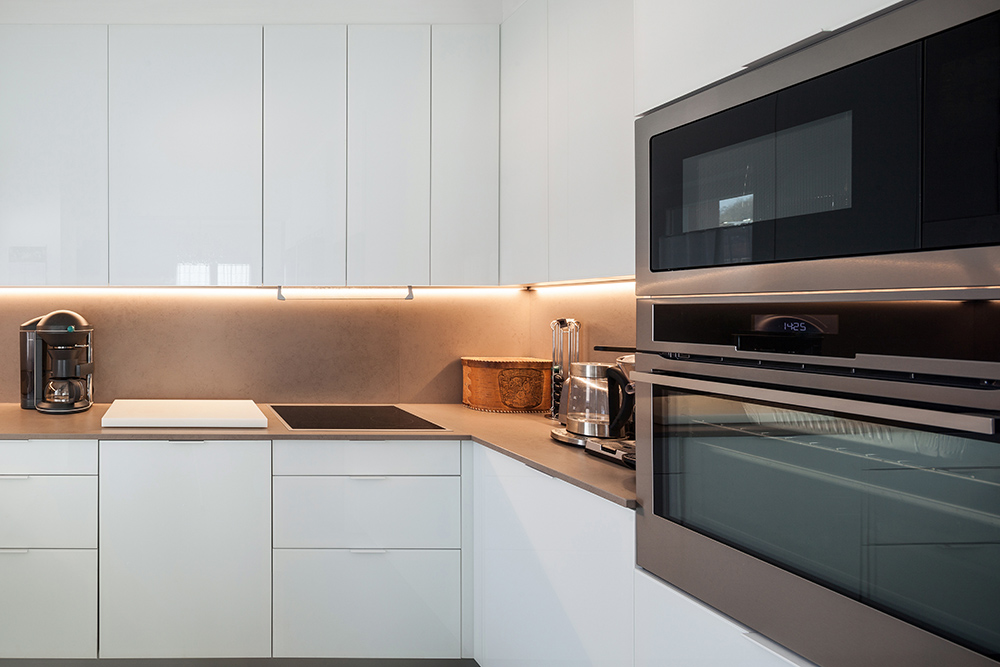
(852,164)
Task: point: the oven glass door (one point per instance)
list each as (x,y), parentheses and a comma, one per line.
(906,520)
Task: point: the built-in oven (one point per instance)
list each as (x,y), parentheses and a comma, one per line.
(827,472)
(855,163)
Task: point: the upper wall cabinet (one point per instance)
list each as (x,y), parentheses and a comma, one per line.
(566,158)
(465,134)
(53,162)
(305,155)
(185,155)
(591,141)
(388,154)
(683,46)
(524,145)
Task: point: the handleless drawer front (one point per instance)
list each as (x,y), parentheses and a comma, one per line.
(368,511)
(48,603)
(368,604)
(48,511)
(48,457)
(367,457)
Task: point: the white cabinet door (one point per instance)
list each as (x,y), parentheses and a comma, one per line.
(54,161)
(672,628)
(185,154)
(367,604)
(554,567)
(465,136)
(388,154)
(48,511)
(682,46)
(591,165)
(185,541)
(524,145)
(48,603)
(367,512)
(305,155)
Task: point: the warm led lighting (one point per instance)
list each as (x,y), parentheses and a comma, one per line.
(341,293)
(122,291)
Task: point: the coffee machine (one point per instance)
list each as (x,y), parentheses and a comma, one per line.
(57,363)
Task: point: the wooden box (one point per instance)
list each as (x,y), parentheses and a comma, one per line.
(507,384)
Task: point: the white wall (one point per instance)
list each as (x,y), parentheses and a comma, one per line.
(681,46)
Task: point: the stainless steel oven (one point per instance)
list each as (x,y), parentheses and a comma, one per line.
(856,163)
(827,471)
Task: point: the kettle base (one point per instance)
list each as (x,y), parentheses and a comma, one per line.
(565,437)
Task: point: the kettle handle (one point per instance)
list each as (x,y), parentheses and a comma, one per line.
(620,402)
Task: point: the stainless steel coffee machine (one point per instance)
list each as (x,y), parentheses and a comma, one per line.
(57,363)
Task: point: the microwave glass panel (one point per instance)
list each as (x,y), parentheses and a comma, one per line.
(813,164)
(904,520)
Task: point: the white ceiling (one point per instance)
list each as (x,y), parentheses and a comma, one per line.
(256,11)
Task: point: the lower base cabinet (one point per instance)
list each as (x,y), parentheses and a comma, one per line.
(48,603)
(367,603)
(185,544)
(672,628)
(553,570)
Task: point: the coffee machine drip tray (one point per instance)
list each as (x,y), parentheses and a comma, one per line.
(351,418)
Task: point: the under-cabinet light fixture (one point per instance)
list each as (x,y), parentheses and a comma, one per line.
(345,293)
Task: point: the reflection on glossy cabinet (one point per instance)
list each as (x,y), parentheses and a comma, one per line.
(524,242)
(553,570)
(388,154)
(465,135)
(54,161)
(185,532)
(185,124)
(305,154)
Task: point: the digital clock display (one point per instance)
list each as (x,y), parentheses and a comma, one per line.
(795,324)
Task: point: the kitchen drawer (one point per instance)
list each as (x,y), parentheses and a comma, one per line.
(48,457)
(48,603)
(358,512)
(48,511)
(367,457)
(376,604)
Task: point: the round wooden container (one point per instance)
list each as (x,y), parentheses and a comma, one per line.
(507,384)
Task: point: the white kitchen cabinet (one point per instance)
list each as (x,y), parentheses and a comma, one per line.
(372,549)
(48,603)
(524,145)
(673,628)
(591,141)
(465,136)
(305,155)
(48,549)
(54,161)
(683,46)
(367,603)
(384,512)
(388,154)
(185,532)
(185,119)
(554,567)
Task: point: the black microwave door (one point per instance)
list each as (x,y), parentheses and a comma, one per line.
(848,160)
(712,190)
(961,204)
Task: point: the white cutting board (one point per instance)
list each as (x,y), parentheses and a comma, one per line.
(170,413)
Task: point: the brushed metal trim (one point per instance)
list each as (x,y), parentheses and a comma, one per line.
(960,397)
(982,424)
(819,624)
(970,267)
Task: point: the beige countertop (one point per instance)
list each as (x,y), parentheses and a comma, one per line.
(524,437)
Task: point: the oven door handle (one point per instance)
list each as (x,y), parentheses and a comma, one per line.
(970,423)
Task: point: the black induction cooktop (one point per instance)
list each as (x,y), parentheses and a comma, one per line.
(352,418)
